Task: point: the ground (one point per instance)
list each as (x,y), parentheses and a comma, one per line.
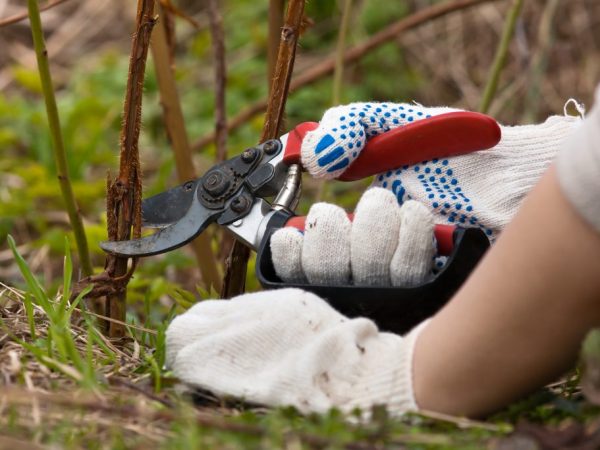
(64,385)
(116,395)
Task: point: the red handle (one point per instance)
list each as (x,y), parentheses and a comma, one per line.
(449,134)
(444,234)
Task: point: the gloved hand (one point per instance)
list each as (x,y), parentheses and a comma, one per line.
(481,189)
(289,347)
(384,245)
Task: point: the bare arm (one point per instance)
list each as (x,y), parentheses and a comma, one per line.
(519,320)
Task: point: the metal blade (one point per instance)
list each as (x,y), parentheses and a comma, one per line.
(180,233)
(166,208)
(251,228)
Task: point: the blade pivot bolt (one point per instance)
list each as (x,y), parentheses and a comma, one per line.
(240,204)
(271,146)
(216,183)
(249,155)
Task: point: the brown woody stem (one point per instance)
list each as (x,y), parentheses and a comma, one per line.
(175,126)
(124,199)
(235,271)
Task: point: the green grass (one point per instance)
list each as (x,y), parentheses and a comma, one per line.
(62,382)
(73,388)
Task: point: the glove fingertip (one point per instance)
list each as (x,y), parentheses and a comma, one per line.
(378,197)
(330,149)
(286,252)
(326,249)
(413,258)
(374,237)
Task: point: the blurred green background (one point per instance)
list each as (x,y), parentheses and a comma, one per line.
(553,56)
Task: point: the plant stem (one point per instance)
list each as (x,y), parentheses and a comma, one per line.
(283,70)
(539,61)
(236,267)
(124,197)
(276,11)
(60,155)
(175,126)
(218,44)
(500,57)
(338,73)
(22,16)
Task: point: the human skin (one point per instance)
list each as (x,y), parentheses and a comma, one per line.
(519,320)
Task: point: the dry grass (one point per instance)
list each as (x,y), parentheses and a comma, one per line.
(42,402)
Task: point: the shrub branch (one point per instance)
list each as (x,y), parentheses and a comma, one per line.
(175,126)
(236,267)
(125,193)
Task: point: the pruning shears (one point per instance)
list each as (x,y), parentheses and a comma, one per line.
(236,193)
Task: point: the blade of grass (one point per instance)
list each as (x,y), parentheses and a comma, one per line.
(155,373)
(29,310)
(95,338)
(78,300)
(67,275)
(39,354)
(32,283)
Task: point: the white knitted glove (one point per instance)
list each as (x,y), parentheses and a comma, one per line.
(289,347)
(384,245)
(481,189)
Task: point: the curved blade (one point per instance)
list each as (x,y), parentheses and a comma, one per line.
(166,208)
(180,233)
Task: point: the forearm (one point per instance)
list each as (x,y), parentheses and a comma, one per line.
(519,320)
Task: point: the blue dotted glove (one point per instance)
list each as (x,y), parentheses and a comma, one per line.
(344,130)
(480,189)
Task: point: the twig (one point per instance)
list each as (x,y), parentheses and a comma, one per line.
(168,5)
(134,387)
(463,422)
(60,155)
(218,44)
(500,57)
(353,54)
(175,126)
(220,80)
(124,197)
(22,16)
(235,270)
(283,70)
